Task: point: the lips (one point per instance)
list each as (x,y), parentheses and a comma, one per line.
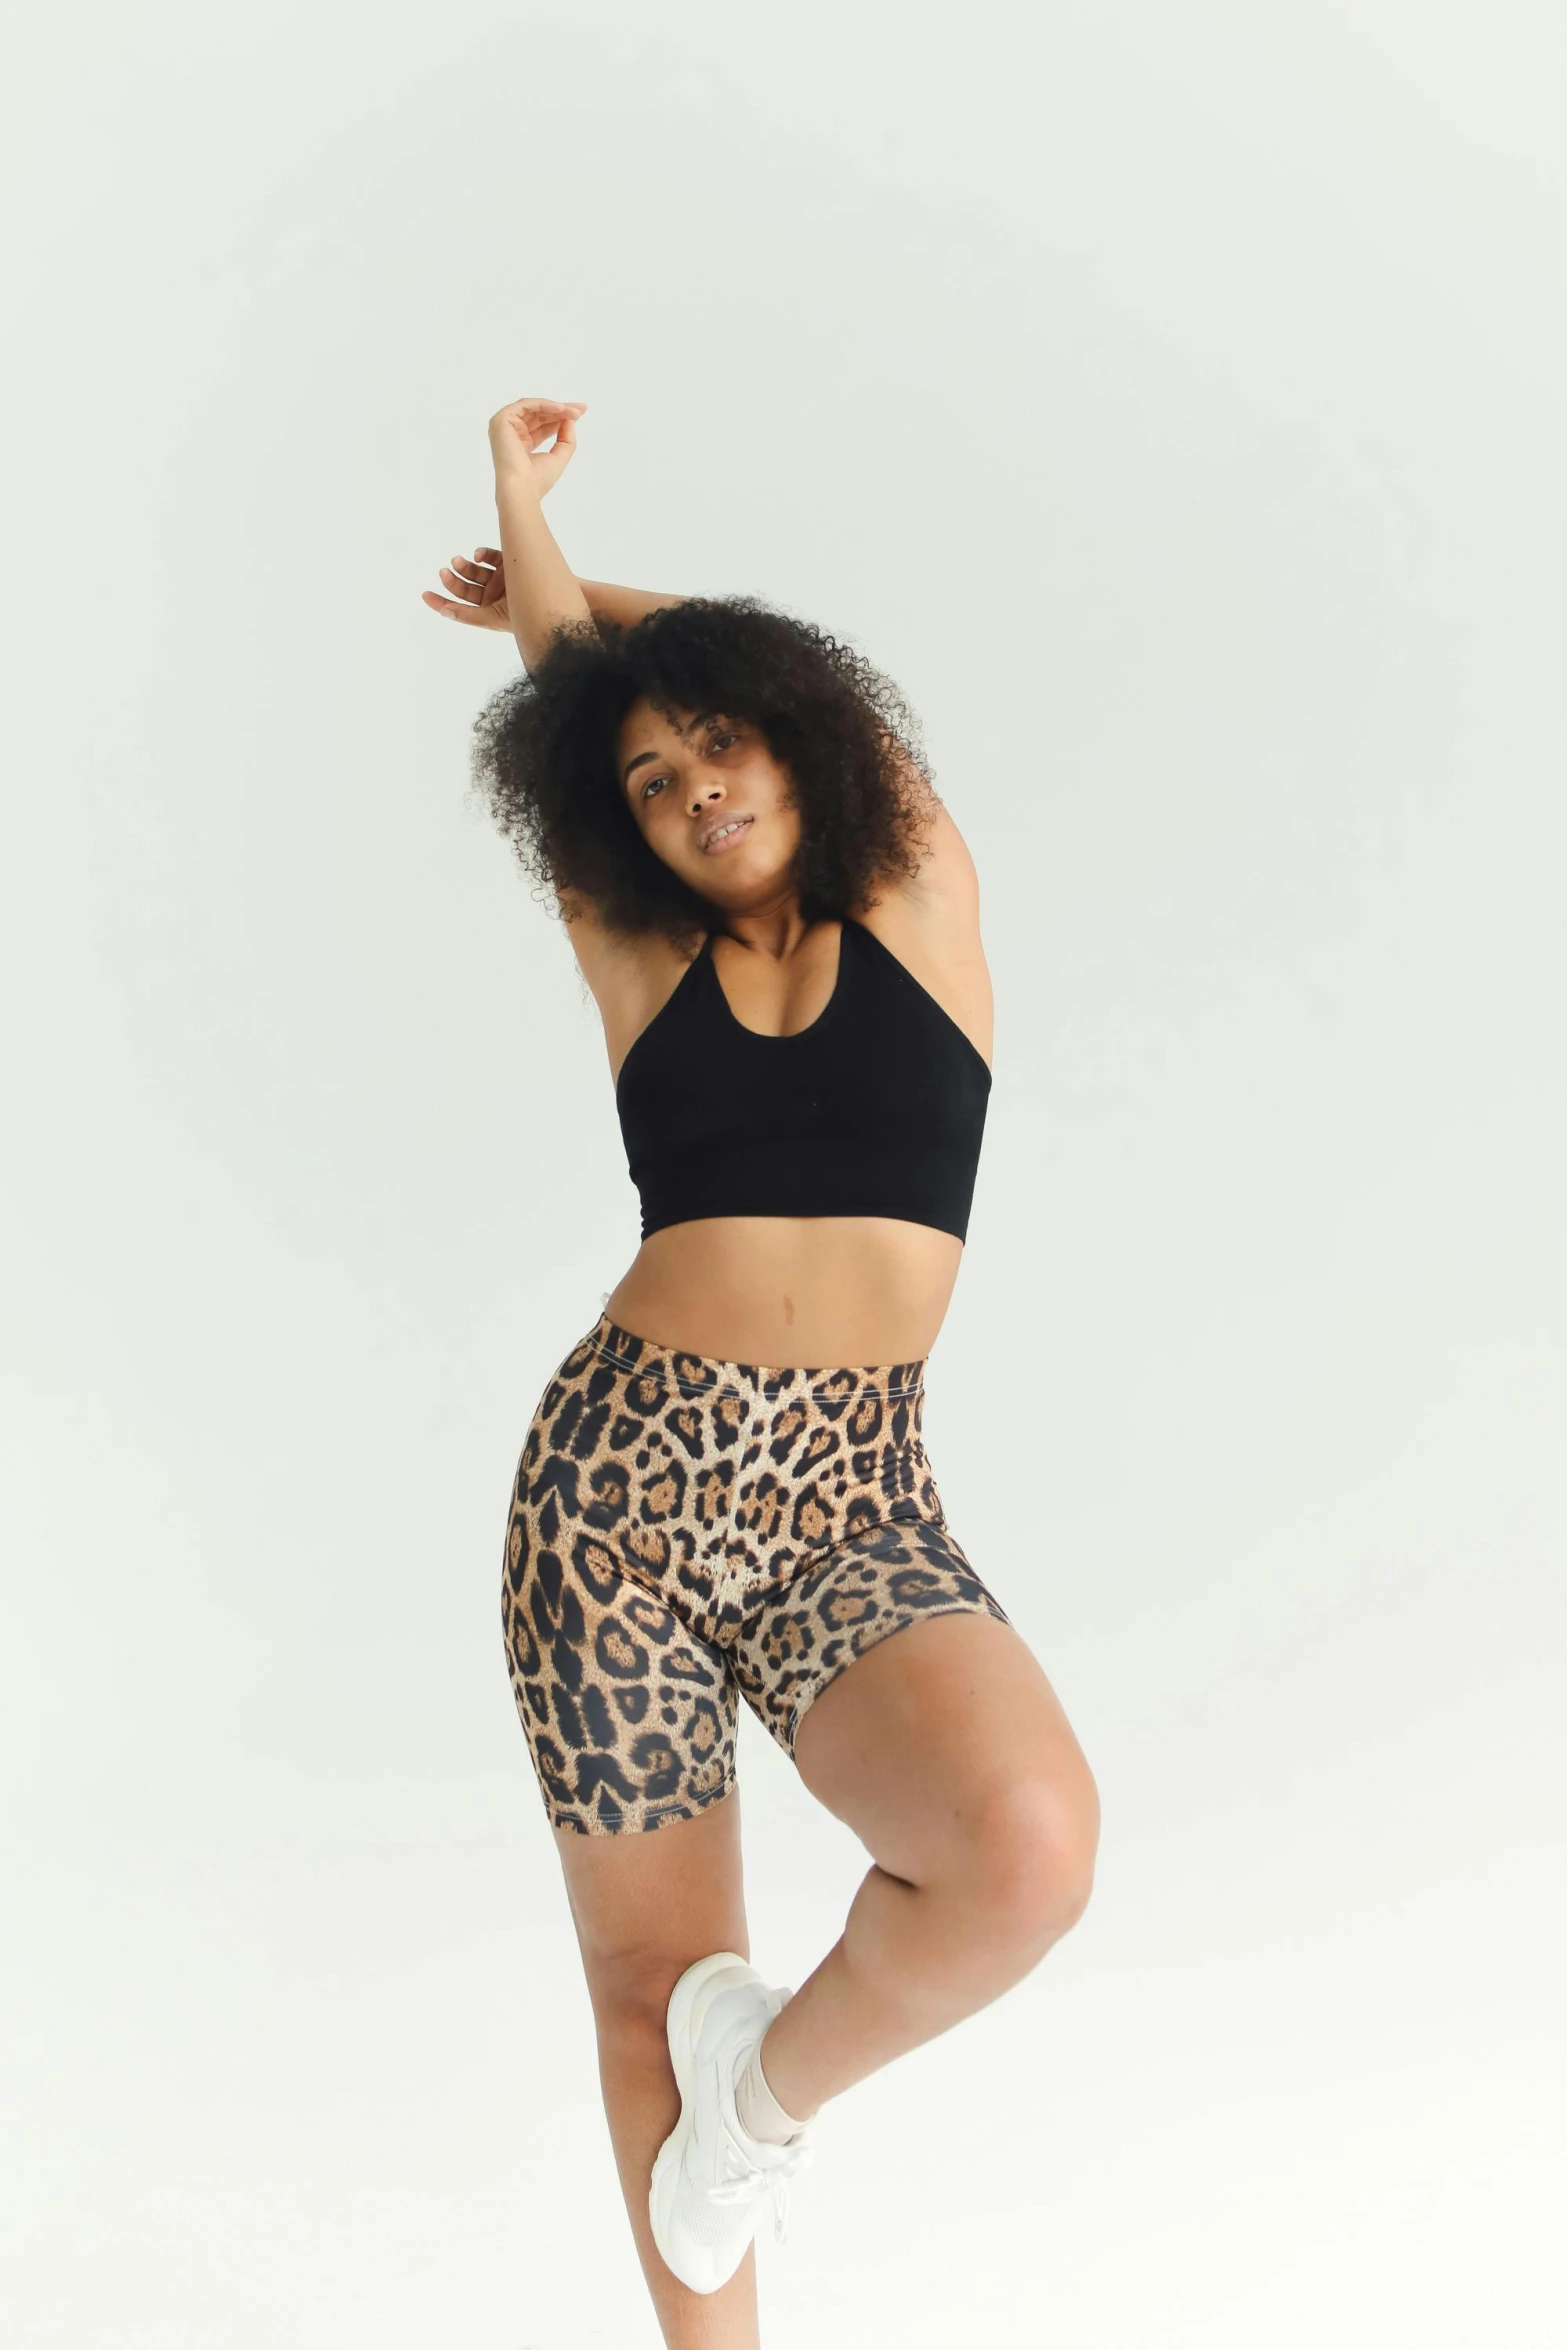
(724,835)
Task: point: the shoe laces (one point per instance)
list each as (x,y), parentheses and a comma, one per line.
(753,2181)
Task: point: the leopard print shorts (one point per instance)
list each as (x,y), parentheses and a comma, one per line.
(686,1532)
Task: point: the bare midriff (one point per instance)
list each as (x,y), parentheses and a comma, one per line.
(792,1291)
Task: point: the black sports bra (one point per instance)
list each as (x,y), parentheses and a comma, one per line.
(876,1109)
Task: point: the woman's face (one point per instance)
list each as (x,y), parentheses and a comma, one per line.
(712,802)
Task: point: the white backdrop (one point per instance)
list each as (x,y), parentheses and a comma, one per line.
(1170,397)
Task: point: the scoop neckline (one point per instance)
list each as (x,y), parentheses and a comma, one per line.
(794,1035)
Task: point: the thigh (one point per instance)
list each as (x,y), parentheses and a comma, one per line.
(646,1907)
(932,1742)
(851,1597)
(630,1716)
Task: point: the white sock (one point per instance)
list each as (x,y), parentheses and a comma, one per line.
(761,2115)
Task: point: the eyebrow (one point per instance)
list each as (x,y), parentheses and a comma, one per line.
(703,719)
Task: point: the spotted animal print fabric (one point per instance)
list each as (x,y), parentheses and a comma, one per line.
(686,1532)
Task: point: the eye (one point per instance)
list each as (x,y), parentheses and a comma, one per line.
(721,738)
(653,784)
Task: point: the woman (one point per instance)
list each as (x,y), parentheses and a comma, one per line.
(724,1492)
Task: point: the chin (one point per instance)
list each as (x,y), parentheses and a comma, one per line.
(740,868)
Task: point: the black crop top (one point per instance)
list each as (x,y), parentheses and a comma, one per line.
(876,1109)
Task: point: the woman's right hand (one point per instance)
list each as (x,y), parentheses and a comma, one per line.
(515,434)
(478,591)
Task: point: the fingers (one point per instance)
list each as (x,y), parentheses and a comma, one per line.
(535,420)
(466,579)
(527,410)
(470,583)
(450,611)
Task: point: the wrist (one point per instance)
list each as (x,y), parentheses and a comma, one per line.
(517,493)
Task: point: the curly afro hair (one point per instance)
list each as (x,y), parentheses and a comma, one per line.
(544,757)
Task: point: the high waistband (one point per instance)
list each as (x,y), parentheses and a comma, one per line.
(692,1374)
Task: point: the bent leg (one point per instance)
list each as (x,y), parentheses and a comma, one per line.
(947,1752)
(646,1906)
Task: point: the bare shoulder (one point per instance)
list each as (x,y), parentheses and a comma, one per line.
(630,978)
(929,919)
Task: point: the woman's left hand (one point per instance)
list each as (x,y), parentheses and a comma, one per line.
(479,588)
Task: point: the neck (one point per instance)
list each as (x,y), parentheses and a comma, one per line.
(775,931)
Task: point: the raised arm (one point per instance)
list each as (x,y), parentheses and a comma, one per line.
(478,594)
(525,585)
(542,595)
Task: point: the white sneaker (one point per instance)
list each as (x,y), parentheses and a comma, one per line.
(711,2176)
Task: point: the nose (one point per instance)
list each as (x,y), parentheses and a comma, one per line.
(704,794)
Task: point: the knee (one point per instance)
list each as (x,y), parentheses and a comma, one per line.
(629,1988)
(1030,1862)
